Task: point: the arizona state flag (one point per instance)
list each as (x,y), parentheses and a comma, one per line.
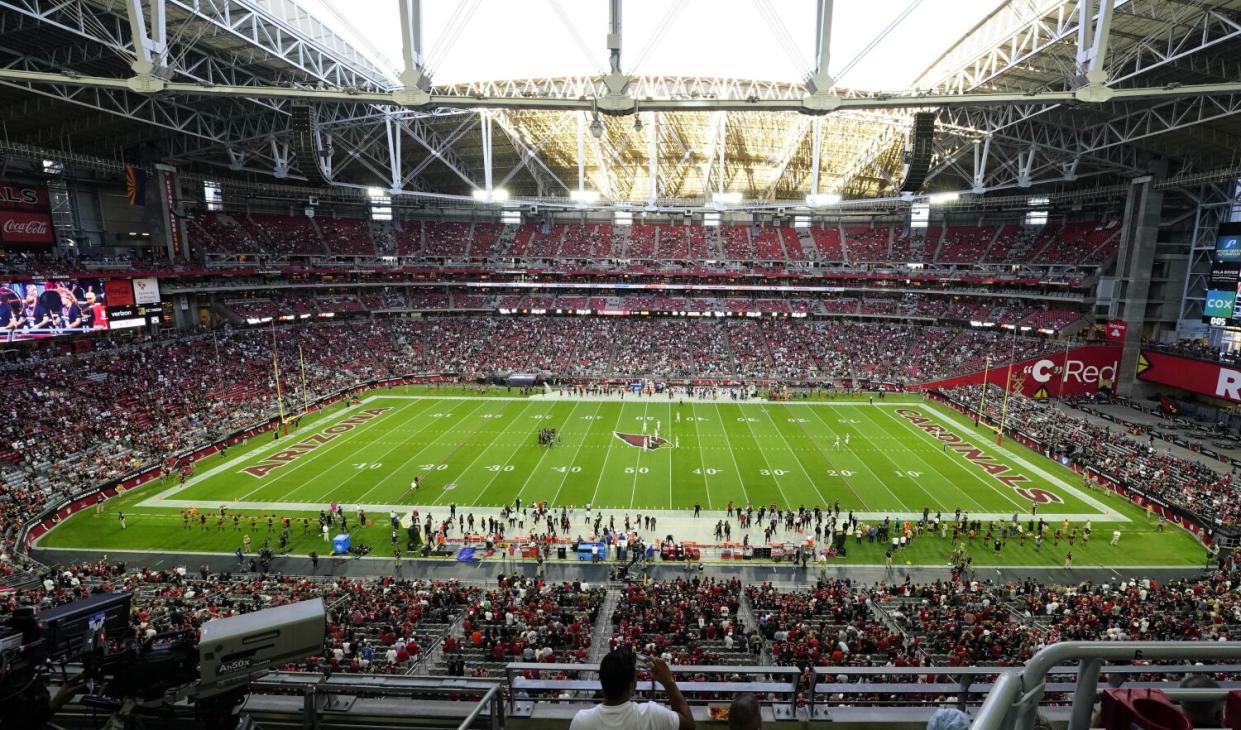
(135,185)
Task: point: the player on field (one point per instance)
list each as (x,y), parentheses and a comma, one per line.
(846,440)
(836,443)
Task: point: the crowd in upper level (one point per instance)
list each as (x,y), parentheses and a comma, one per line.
(1076,243)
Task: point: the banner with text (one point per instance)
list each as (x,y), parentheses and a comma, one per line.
(146,290)
(1050,376)
(25,214)
(1187,373)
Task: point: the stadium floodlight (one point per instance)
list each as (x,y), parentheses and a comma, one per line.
(622,218)
(711,219)
(375,192)
(494,195)
(820,200)
(941,198)
(730,198)
(584,196)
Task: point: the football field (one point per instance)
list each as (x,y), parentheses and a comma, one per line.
(899,455)
(479,450)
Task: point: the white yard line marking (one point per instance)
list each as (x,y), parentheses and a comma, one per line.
(417,453)
(960,490)
(860,460)
(789,446)
(620,413)
(526,482)
(573,461)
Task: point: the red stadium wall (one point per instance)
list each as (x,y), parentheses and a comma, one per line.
(1047,376)
(1196,376)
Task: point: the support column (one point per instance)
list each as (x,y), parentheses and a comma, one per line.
(1139,236)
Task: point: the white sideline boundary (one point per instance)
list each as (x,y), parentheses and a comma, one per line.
(165,498)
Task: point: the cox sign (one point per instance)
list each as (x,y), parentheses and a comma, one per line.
(1220,304)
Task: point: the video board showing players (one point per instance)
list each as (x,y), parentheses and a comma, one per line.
(40,309)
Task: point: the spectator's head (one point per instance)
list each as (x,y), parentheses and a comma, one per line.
(618,675)
(948,719)
(744,714)
(1203,713)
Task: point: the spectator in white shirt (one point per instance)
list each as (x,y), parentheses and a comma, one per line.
(618,676)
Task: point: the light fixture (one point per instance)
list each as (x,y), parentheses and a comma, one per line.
(819,200)
(584,196)
(637,123)
(729,198)
(596,128)
(941,198)
(490,196)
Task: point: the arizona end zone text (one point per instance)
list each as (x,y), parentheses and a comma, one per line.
(977,457)
(310,443)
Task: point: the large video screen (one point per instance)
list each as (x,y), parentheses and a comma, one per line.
(1228,243)
(39,309)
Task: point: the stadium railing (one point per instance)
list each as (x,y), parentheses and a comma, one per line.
(309,699)
(1013,702)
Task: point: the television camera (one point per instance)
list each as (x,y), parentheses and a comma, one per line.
(88,647)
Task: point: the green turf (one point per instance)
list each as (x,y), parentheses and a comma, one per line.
(480,449)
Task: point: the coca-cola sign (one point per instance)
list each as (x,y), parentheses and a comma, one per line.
(23,196)
(18,227)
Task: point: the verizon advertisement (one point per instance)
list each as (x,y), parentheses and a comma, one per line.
(1085,370)
(25,215)
(1186,373)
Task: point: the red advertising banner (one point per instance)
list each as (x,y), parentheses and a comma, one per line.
(118,292)
(19,227)
(1116,329)
(23,196)
(1186,373)
(1051,376)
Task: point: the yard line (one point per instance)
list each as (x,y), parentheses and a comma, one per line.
(991,486)
(401,444)
(860,460)
(670,456)
(763,452)
(576,454)
(620,413)
(719,416)
(314,455)
(334,490)
(963,492)
(481,452)
(464,443)
(633,493)
(526,482)
(702,459)
(787,445)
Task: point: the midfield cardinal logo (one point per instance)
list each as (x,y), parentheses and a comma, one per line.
(642,441)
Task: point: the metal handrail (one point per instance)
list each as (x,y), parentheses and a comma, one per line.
(1013,701)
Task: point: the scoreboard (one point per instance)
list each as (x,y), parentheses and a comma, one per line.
(1224,285)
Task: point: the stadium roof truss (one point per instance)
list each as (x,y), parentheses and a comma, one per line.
(1041,93)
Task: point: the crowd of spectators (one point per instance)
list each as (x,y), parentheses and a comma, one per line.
(524,620)
(390,624)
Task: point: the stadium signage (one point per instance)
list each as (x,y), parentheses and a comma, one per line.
(1081,371)
(1187,373)
(975,456)
(310,443)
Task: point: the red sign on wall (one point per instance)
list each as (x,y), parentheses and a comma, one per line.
(18,227)
(1081,373)
(1116,329)
(1186,373)
(118,292)
(23,196)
